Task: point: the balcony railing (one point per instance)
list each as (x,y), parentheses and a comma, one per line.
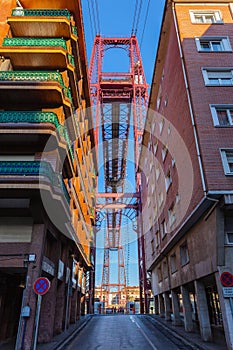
(35,42)
(41,12)
(29,117)
(33,168)
(37,117)
(40,76)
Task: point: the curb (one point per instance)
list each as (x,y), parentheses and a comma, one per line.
(179,337)
(62,343)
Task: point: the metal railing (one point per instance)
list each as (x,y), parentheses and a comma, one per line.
(35,42)
(33,168)
(39,76)
(41,12)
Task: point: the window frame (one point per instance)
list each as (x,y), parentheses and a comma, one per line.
(214,108)
(225,163)
(207,80)
(173,263)
(224,40)
(184,248)
(215,13)
(227,242)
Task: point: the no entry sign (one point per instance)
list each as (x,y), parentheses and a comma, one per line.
(226,279)
(41,285)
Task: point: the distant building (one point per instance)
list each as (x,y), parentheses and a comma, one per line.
(47,169)
(186,164)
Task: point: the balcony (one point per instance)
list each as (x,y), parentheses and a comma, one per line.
(42,23)
(32,169)
(31,130)
(42,53)
(34,90)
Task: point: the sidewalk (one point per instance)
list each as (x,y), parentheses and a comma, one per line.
(62,339)
(192,338)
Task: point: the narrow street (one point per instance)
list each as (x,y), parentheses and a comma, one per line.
(120,332)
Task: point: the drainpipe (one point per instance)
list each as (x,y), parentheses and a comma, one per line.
(189,102)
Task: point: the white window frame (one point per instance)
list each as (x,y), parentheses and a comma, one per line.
(225,162)
(219,70)
(224,40)
(227,238)
(214,108)
(215,13)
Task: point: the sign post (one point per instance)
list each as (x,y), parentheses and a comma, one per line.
(226,279)
(41,287)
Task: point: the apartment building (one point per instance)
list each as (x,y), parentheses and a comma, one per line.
(186,166)
(47,170)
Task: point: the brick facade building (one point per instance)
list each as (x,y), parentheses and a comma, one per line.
(187,167)
(47,169)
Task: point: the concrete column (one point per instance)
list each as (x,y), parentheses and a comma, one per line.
(60,308)
(176,309)
(167,305)
(202,310)
(188,322)
(156,305)
(161,306)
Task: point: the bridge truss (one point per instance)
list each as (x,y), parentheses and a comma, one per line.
(119,100)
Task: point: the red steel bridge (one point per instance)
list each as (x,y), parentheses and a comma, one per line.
(119,100)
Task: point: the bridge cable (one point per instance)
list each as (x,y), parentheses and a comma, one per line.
(145,21)
(134,17)
(139,14)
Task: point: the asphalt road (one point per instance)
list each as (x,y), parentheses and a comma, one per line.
(119,332)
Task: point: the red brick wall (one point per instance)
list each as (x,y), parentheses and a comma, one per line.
(210,137)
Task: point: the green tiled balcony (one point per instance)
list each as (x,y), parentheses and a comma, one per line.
(29,117)
(41,12)
(45,23)
(33,168)
(33,42)
(37,117)
(40,76)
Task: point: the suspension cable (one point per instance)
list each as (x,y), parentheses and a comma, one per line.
(91,24)
(94,17)
(145,21)
(139,14)
(97,17)
(134,16)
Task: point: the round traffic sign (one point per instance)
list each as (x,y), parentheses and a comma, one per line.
(226,279)
(41,285)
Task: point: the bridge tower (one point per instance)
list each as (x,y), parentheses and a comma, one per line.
(119,100)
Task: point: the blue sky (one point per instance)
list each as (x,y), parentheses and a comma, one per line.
(116,19)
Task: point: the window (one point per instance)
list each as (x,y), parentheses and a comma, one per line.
(157,172)
(216,44)
(159,271)
(164,152)
(161,125)
(202,17)
(160,199)
(165,269)
(163,229)
(227,160)
(184,255)
(218,76)
(222,115)
(171,215)
(155,146)
(157,239)
(168,181)
(152,247)
(173,263)
(229,238)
